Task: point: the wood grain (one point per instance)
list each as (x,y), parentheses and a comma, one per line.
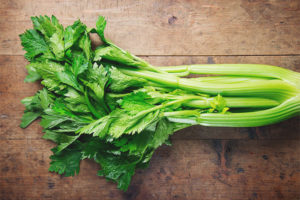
(204,162)
(221,27)
(190,169)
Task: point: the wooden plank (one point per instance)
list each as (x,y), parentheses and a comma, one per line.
(190,169)
(221,27)
(13,72)
(10,131)
(13,89)
(289,62)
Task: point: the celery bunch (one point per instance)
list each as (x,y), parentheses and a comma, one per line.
(108,105)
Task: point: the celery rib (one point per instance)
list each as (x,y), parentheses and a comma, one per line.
(277,89)
(254,70)
(287,109)
(235,102)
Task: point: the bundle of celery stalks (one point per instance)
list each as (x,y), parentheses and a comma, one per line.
(108,105)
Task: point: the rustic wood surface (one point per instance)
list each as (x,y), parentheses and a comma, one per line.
(203,163)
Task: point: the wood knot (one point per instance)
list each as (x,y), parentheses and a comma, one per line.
(172,20)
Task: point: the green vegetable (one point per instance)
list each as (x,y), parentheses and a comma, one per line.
(115,108)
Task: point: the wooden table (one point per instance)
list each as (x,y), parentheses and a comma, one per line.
(203,163)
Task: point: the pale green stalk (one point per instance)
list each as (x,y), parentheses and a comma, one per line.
(276,89)
(255,70)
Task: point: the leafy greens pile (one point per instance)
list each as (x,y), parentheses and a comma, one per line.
(108,105)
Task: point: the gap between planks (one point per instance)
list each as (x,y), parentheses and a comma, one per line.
(200,55)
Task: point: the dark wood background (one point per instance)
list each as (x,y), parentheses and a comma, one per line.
(203,163)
